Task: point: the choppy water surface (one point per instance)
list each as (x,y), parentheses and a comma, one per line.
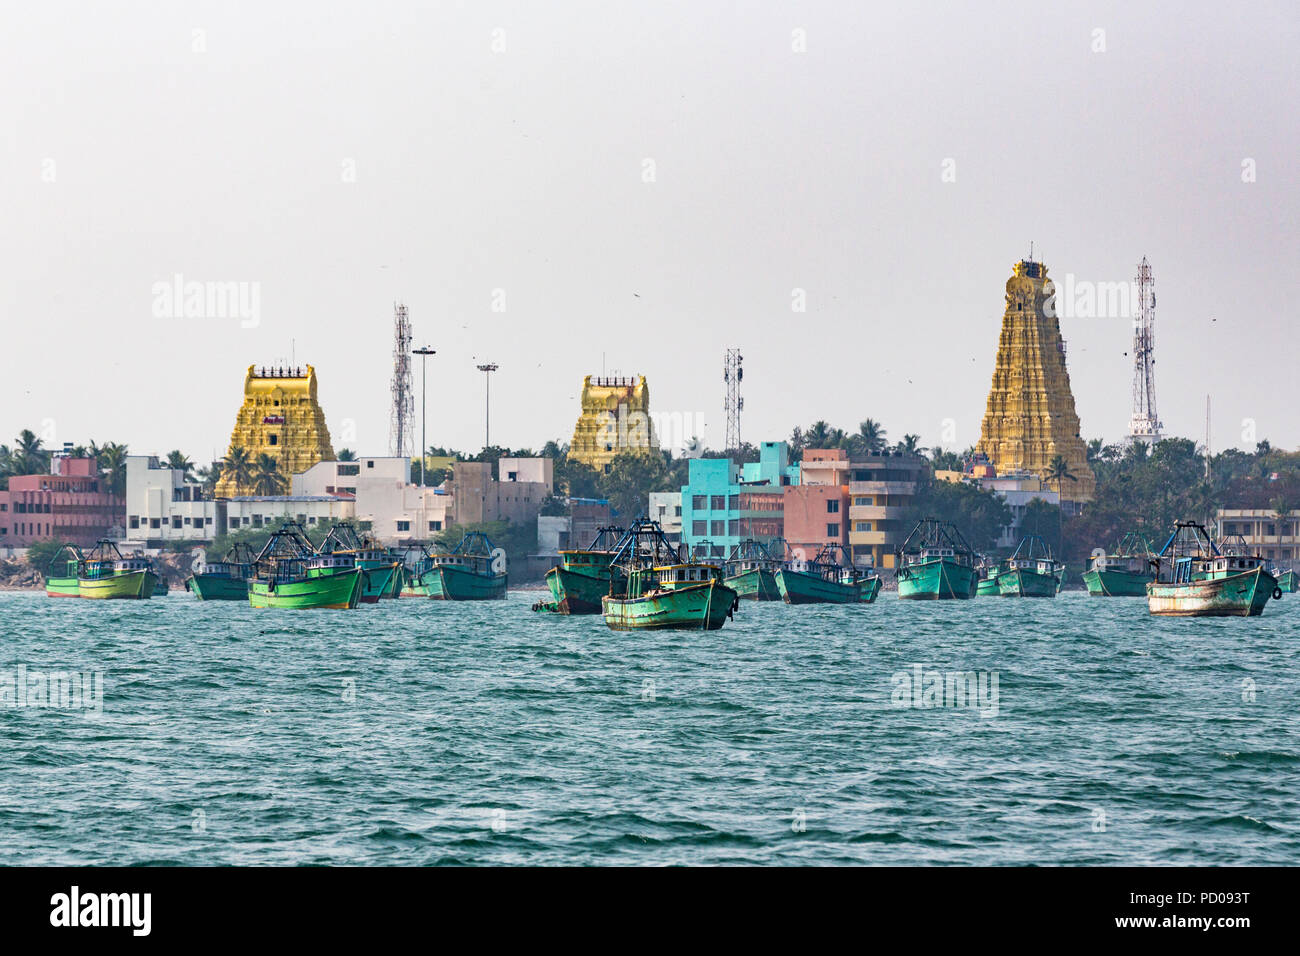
(417,732)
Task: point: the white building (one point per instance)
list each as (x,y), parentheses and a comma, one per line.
(1017,490)
(396,511)
(666,508)
(162,506)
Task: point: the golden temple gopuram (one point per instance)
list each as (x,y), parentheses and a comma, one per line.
(615,420)
(282,418)
(1030,417)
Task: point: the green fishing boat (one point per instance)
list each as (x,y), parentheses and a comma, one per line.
(1286,581)
(662,591)
(986,571)
(224,580)
(751,571)
(827,579)
(1124,572)
(474,570)
(935,563)
(1196,578)
(411,572)
(584,576)
(1031,571)
(290,574)
(162,587)
(65,568)
(107,575)
(378,566)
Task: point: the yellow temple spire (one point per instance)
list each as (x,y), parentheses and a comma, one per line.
(1030,418)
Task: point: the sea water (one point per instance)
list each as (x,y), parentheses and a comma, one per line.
(1077,730)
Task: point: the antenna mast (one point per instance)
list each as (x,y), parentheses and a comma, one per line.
(401,428)
(1145,424)
(732,373)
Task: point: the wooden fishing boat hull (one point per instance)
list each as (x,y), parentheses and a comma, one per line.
(376,580)
(1287,582)
(1019,582)
(340,590)
(1108,583)
(756,584)
(217,587)
(1238,595)
(449,583)
(62,587)
(133,585)
(800,587)
(576,591)
(987,587)
(700,607)
(937,580)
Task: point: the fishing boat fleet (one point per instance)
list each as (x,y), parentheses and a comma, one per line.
(637,580)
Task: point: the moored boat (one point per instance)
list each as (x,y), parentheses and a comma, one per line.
(1286,581)
(290,574)
(986,571)
(64,569)
(224,580)
(826,580)
(378,566)
(106,575)
(474,570)
(751,571)
(1197,578)
(935,563)
(1031,571)
(584,576)
(1124,572)
(663,591)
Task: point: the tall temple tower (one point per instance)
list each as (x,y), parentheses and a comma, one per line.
(280,417)
(1030,417)
(615,420)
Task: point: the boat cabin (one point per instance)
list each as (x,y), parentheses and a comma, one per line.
(684,575)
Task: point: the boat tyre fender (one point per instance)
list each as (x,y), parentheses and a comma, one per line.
(1277,594)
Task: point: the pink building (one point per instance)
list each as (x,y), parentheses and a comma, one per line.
(817,509)
(72,503)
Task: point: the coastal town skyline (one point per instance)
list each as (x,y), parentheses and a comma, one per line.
(657,217)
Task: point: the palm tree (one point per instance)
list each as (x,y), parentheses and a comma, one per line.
(112,464)
(267,478)
(29,457)
(1095,445)
(1058,470)
(910,445)
(238,467)
(347,454)
(177,460)
(818,435)
(210,476)
(872,434)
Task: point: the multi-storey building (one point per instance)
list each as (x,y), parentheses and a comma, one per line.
(1272,535)
(72,503)
(816,511)
(666,508)
(882,488)
(385,501)
(724,504)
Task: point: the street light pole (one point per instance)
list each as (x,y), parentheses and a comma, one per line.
(424,354)
(487,369)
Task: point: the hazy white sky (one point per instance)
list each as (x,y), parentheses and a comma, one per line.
(344,155)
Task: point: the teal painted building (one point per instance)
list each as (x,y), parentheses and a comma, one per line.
(723,503)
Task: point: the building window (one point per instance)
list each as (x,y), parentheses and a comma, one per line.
(678,511)
(833,506)
(833,530)
(435,525)
(370,464)
(718,503)
(135,521)
(348,470)
(718,529)
(862,500)
(700,502)
(733,502)
(403,526)
(275,439)
(733,528)
(699,528)
(862,526)
(155,522)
